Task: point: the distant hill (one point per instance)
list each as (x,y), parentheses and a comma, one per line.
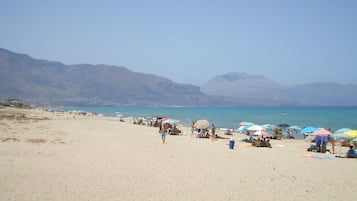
(321,94)
(46,82)
(242,85)
(260,88)
(43,82)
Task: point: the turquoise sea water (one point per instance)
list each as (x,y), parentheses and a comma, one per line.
(230,117)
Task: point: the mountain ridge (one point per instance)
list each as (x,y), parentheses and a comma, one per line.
(45,82)
(41,80)
(241,84)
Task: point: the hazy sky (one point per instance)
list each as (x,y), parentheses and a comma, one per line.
(290,42)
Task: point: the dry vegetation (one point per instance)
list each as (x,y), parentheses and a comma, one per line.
(15,124)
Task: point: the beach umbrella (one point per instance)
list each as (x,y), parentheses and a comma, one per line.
(243,128)
(261,133)
(165,119)
(255,128)
(240,128)
(268,126)
(295,127)
(201,124)
(340,136)
(170,121)
(283,125)
(351,133)
(245,123)
(342,130)
(309,129)
(321,132)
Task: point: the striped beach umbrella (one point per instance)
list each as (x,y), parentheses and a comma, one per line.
(351,133)
(341,136)
(342,130)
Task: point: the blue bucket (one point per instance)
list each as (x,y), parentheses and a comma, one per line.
(231,144)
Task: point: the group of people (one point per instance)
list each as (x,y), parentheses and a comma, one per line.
(206,132)
(260,142)
(321,143)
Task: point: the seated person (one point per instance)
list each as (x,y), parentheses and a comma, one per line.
(251,139)
(206,135)
(262,143)
(228,132)
(267,143)
(175,131)
(351,153)
(290,136)
(312,148)
(219,137)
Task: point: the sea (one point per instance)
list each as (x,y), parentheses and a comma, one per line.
(230,117)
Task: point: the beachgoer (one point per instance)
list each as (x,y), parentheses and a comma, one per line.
(251,139)
(192,127)
(163,133)
(280,134)
(228,132)
(332,141)
(202,133)
(213,131)
(267,143)
(206,133)
(175,131)
(351,153)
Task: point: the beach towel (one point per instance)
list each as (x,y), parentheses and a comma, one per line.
(315,156)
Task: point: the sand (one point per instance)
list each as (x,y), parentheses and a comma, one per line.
(47,156)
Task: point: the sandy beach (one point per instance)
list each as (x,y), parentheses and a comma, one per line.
(56,157)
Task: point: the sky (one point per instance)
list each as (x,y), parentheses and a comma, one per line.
(288,41)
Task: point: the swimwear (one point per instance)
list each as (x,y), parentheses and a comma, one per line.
(163,134)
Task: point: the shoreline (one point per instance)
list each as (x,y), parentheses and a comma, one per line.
(318,117)
(100,158)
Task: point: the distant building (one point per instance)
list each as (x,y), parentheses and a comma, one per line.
(15,103)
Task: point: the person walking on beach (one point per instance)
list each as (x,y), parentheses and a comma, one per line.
(163,133)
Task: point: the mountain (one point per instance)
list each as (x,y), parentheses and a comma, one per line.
(260,88)
(41,82)
(321,94)
(242,85)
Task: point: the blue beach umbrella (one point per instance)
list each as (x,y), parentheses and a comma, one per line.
(268,126)
(309,129)
(243,129)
